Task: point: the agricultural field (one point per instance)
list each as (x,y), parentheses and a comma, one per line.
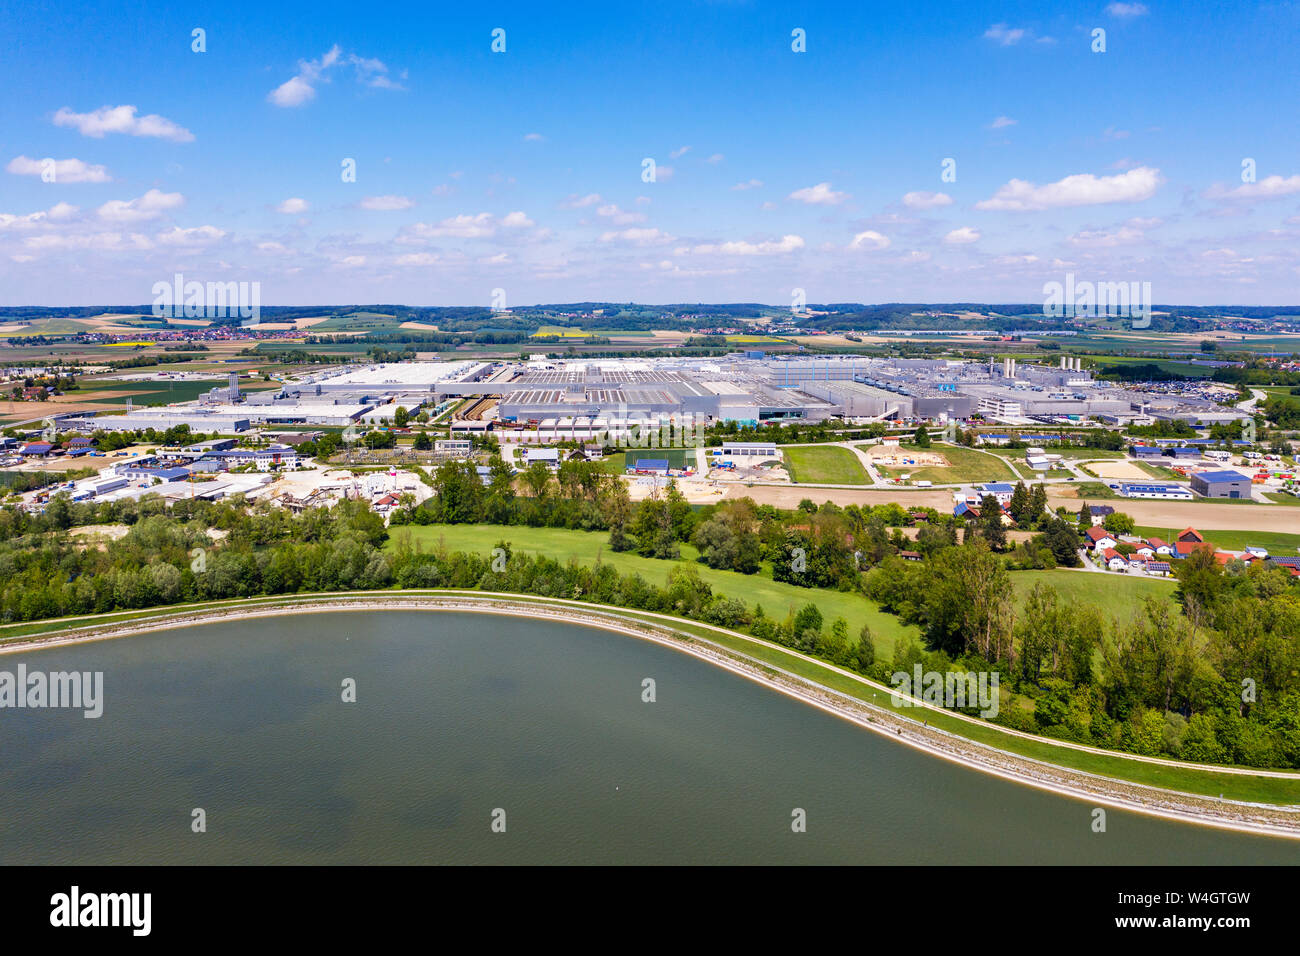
(964,464)
(1276,542)
(1167,367)
(560,332)
(357,323)
(824,465)
(1118,596)
(777,599)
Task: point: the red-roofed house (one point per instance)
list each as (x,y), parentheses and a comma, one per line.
(1114,560)
(1100,538)
(1189,536)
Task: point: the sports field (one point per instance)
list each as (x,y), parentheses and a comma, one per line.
(824,465)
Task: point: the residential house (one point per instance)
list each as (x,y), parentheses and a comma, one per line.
(1114,560)
(1099,538)
(1161,548)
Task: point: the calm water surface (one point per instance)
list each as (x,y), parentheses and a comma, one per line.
(460,714)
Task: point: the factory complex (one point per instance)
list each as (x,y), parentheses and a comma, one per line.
(581,399)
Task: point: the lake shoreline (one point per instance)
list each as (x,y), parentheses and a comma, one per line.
(1260,819)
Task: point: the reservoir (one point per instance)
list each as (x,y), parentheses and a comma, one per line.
(459,715)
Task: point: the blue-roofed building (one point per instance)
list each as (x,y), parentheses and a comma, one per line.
(1146,451)
(651,466)
(1000,490)
(992,439)
(146,472)
(1187,453)
(1221,484)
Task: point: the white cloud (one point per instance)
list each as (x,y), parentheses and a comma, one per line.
(1083,189)
(533,137)
(99,241)
(579,202)
(679,153)
(620,217)
(819,195)
(517,220)
(1002,122)
(65,170)
(869,240)
(149,206)
(293,207)
(1270,187)
(300,88)
(463,226)
(637,236)
(1101,239)
(664,172)
(715,158)
(31,219)
(926,200)
(353,261)
(122,119)
(751,184)
(294,91)
(1001,34)
(198,236)
(386,203)
(962,236)
(1125,11)
(771,247)
(417,259)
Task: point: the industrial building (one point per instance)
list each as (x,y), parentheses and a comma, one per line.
(1221,484)
(590,399)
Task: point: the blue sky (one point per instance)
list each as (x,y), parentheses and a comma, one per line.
(523,170)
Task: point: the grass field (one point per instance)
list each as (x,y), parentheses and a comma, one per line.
(1276,542)
(676,457)
(824,465)
(1182,369)
(964,464)
(356,322)
(777,599)
(1118,596)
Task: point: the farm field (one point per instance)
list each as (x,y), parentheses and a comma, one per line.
(1117,595)
(777,599)
(1276,542)
(560,331)
(824,464)
(964,464)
